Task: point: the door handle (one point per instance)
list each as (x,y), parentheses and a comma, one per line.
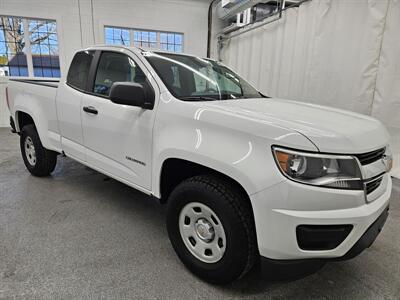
(90,110)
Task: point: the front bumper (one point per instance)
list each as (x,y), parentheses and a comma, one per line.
(279,210)
(368,237)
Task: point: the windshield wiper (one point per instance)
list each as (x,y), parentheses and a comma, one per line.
(202,98)
(264,96)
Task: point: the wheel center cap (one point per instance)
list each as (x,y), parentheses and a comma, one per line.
(204,230)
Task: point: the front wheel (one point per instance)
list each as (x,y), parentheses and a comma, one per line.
(210,225)
(38,160)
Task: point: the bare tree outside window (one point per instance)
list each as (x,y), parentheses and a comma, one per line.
(12,44)
(43,47)
(14,33)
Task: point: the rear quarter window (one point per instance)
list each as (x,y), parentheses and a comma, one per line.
(79,70)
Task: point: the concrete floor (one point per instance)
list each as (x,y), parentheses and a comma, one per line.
(81,235)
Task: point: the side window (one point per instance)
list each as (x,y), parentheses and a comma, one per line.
(116,67)
(79,70)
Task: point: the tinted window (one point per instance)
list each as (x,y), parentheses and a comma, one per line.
(79,70)
(116,67)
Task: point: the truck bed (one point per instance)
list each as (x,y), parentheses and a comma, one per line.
(37,98)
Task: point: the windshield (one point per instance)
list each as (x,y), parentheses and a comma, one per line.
(196,79)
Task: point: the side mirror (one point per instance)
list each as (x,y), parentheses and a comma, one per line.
(133,94)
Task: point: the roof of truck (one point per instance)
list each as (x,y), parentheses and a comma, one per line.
(136,50)
(104,46)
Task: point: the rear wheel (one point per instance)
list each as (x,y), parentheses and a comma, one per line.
(38,160)
(211,228)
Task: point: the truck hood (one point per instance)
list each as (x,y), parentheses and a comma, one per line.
(331,130)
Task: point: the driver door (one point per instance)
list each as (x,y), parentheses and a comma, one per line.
(118,138)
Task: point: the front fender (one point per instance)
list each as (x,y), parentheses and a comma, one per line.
(207,161)
(237,147)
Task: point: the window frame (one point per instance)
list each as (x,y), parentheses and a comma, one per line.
(158,38)
(25,22)
(93,72)
(140,31)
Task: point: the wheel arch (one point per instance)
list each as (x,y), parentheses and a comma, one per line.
(22,119)
(25,116)
(174,170)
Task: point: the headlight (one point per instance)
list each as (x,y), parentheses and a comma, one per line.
(388,159)
(333,171)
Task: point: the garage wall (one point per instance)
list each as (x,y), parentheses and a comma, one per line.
(80,23)
(344,54)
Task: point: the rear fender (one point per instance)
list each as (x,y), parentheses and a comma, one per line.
(43,113)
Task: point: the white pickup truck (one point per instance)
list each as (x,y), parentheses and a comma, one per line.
(244,176)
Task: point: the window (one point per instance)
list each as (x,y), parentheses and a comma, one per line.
(116,67)
(44,48)
(146,39)
(171,42)
(79,70)
(117,36)
(191,78)
(167,41)
(12,47)
(40,50)
(203,84)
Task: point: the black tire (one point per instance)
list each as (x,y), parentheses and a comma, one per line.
(233,209)
(46,160)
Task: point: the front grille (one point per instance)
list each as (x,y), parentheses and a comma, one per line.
(370,157)
(373,185)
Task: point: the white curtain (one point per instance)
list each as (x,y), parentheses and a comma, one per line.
(386,102)
(341,53)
